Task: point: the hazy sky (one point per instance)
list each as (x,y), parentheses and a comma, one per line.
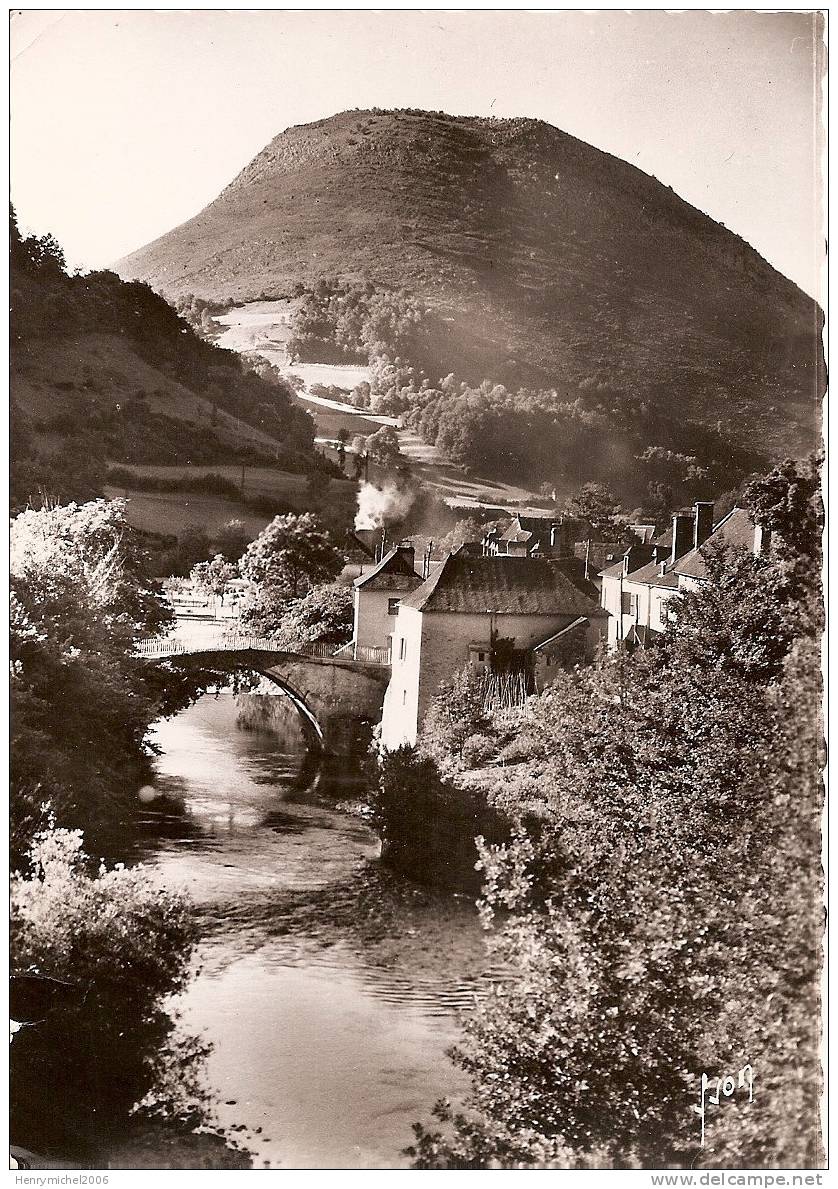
(125,124)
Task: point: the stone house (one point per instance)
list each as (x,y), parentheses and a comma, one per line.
(469,610)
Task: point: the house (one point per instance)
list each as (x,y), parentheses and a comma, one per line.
(476,609)
(377,596)
(529,535)
(636,590)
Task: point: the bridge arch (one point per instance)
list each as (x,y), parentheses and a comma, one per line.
(338,700)
(312,730)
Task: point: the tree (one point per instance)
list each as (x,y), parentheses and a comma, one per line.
(324,615)
(79,605)
(657,506)
(463,532)
(289,557)
(454,715)
(214,576)
(597,505)
(360,461)
(317,484)
(788,503)
(383,445)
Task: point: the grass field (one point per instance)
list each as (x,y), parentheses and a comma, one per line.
(171,512)
(175,511)
(257,480)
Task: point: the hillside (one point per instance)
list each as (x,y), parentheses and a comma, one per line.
(548,262)
(105,374)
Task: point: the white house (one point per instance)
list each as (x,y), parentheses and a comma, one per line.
(469,609)
(636,590)
(378,595)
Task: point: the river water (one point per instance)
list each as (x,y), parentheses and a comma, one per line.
(328,987)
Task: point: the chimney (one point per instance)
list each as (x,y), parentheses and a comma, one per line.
(762,540)
(407,551)
(682,535)
(560,540)
(703,525)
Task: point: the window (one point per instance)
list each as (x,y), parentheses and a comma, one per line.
(634,605)
(393,606)
(481,656)
(626,603)
(402,648)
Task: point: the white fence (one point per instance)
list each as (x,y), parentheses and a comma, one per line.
(161,646)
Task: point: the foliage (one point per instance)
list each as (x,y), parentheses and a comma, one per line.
(324,615)
(214,576)
(383,445)
(597,506)
(337,322)
(427,823)
(665,920)
(79,604)
(212,483)
(123,946)
(456,713)
(463,532)
(290,556)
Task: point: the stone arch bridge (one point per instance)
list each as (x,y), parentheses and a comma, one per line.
(337,692)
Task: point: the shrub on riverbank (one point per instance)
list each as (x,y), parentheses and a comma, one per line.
(428,823)
(123,946)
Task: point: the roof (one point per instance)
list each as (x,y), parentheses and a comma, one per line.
(524,528)
(393,572)
(580,621)
(515,535)
(736,530)
(614,571)
(650,575)
(645,532)
(506,586)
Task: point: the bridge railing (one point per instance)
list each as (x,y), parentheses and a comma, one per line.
(161,646)
(368,654)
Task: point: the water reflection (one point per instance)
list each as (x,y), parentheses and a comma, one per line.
(328,987)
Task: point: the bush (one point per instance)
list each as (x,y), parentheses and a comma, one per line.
(428,824)
(454,715)
(477,749)
(124,946)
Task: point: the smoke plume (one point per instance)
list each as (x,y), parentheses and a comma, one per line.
(380,506)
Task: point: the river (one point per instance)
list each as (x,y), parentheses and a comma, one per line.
(328,987)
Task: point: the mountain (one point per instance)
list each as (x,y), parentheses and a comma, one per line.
(552,264)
